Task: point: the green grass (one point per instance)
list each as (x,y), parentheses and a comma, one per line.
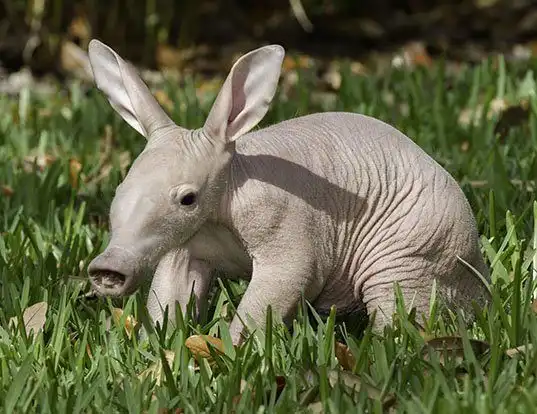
(82,362)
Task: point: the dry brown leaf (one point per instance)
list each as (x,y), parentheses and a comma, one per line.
(296,62)
(88,351)
(353,382)
(280,385)
(156,370)
(166,411)
(7,191)
(226,312)
(289,63)
(316,407)
(522,349)
(74,169)
(304,61)
(344,356)
(41,161)
(527,185)
(131,324)
(411,55)
(34,318)
(419,55)
(453,346)
(237,398)
(197,344)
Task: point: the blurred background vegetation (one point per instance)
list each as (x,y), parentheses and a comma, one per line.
(45,35)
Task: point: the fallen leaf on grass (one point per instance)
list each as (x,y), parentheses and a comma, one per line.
(74,169)
(226,312)
(156,369)
(453,346)
(411,55)
(34,318)
(280,385)
(197,344)
(522,349)
(344,356)
(166,411)
(353,383)
(526,185)
(316,407)
(296,62)
(7,190)
(131,325)
(40,161)
(88,351)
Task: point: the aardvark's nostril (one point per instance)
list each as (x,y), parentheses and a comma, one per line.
(113,272)
(107,279)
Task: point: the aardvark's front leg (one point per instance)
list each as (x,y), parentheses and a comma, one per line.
(176,277)
(277,284)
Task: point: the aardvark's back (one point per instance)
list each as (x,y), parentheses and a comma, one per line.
(365,204)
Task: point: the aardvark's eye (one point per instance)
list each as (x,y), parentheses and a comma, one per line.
(188,199)
(184,196)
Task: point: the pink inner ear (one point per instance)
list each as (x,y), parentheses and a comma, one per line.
(239,96)
(246,94)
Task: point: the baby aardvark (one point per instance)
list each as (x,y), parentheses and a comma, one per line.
(335,206)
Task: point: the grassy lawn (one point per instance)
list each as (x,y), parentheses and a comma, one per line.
(61,158)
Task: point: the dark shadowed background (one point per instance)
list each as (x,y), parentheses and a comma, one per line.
(206,34)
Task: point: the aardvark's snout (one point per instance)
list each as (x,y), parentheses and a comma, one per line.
(113,272)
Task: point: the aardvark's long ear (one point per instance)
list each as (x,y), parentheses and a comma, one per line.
(125,90)
(246,94)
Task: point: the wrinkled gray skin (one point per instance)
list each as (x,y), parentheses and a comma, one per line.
(336,206)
